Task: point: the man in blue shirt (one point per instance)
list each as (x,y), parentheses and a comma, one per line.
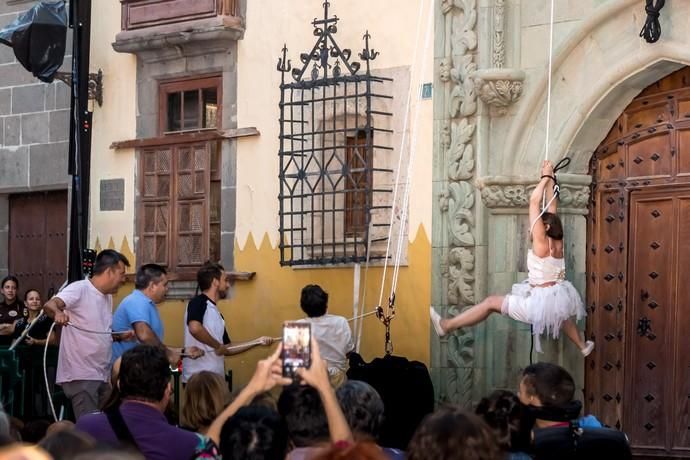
(138,311)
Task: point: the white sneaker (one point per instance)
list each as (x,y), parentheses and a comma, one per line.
(436,321)
(589,346)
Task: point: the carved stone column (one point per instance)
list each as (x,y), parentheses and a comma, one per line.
(454,211)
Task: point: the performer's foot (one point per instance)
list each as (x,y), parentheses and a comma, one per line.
(589,346)
(436,322)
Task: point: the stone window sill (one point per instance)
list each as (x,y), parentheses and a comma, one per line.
(170,35)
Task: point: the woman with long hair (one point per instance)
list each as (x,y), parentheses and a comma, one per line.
(41,323)
(546,300)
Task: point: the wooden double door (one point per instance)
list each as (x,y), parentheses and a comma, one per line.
(638,285)
(38,241)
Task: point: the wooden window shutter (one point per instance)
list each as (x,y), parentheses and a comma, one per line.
(358,185)
(192,207)
(155,205)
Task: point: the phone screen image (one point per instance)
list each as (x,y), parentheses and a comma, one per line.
(296,347)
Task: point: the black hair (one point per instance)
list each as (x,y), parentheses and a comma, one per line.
(207,273)
(303,411)
(35,430)
(9,278)
(451,432)
(314,300)
(108,258)
(502,411)
(254,433)
(147,274)
(555,230)
(362,407)
(144,373)
(66,444)
(552,384)
(26,294)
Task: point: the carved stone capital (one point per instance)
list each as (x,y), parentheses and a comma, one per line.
(514,192)
(499,88)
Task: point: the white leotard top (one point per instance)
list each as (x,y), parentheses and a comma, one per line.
(544,269)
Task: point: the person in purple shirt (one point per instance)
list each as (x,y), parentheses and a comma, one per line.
(138,421)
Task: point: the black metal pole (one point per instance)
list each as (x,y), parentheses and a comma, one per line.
(80,136)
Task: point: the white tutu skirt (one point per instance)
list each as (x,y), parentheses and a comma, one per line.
(545,308)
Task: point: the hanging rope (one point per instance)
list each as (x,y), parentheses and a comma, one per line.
(390,311)
(408,102)
(651,31)
(547,138)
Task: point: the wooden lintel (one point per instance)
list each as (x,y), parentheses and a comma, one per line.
(185,138)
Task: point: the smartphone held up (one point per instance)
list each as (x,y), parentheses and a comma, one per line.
(296,347)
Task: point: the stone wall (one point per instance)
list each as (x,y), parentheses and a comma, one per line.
(489,125)
(34,128)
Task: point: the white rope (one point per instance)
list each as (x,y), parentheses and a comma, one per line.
(548,89)
(356,282)
(89,331)
(45,372)
(357,331)
(547,135)
(413,154)
(363,315)
(402,146)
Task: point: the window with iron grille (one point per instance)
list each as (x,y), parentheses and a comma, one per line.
(333,133)
(180,182)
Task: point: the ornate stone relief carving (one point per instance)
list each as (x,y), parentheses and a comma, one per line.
(499,53)
(514,192)
(499,88)
(456,202)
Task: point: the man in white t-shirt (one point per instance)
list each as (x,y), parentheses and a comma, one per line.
(204,325)
(332,332)
(85,310)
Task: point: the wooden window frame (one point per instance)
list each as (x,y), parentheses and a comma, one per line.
(175,203)
(355,220)
(205,190)
(167,87)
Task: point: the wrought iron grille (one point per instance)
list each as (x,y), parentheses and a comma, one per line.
(333,133)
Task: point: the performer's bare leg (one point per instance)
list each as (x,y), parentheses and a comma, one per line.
(473,315)
(573,334)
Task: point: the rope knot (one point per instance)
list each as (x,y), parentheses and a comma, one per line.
(652,12)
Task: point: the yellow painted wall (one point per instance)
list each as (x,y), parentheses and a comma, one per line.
(259,307)
(114,121)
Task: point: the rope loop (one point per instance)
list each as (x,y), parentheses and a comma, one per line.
(651,31)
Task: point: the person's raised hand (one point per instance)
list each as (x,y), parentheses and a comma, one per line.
(268,374)
(547,168)
(265,341)
(317,374)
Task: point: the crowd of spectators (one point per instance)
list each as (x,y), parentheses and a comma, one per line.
(117,373)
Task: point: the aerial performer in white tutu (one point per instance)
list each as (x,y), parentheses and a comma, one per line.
(546,300)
